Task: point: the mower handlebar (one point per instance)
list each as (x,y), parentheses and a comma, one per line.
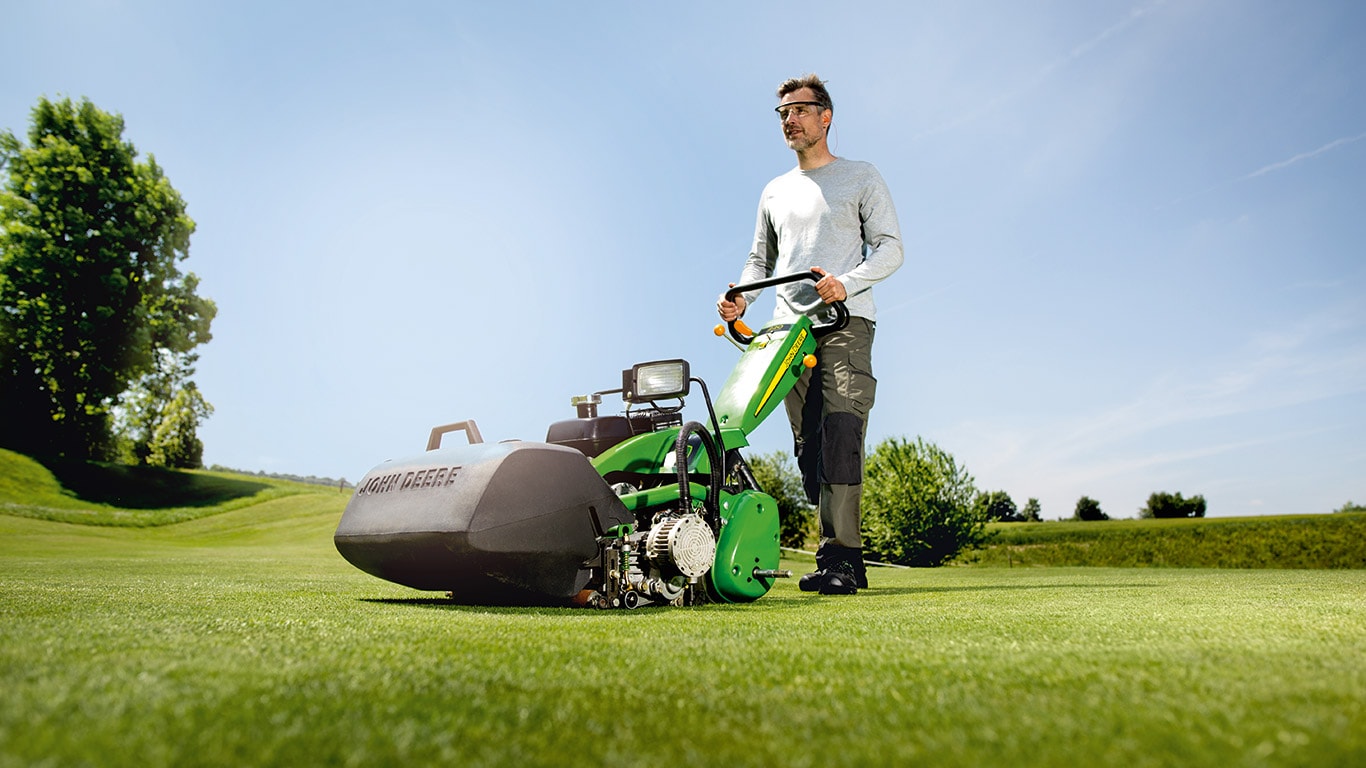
(838,324)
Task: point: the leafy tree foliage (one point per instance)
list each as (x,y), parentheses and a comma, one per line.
(144,404)
(779,478)
(1350,507)
(918,504)
(1089,509)
(1032,512)
(1163,504)
(997,506)
(90,290)
(175,442)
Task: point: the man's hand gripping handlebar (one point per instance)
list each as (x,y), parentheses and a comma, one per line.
(733,304)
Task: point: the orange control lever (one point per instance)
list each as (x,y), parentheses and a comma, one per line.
(720,329)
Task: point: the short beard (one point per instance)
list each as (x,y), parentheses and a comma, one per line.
(802,142)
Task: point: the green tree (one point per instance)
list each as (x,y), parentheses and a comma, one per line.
(142,406)
(779,478)
(1032,512)
(918,504)
(997,506)
(90,290)
(1089,509)
(1163,505)
(175,442)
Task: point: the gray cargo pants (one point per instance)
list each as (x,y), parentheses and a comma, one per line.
(828,410)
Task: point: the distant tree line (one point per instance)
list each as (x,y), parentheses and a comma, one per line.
(98,324)
(310,479)
(998,507)
(1164,505)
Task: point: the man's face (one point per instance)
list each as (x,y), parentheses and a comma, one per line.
(801,116)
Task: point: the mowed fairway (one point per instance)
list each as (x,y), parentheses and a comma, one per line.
(242,638)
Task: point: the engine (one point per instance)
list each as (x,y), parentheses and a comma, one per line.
(664,564)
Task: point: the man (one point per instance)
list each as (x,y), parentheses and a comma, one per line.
(834,217)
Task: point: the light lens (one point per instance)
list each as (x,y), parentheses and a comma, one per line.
(659,380)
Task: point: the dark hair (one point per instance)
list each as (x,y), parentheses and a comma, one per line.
(816,85)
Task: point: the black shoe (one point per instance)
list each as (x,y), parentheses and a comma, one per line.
(825,557)
(839,580)
(811,582)
(860,568)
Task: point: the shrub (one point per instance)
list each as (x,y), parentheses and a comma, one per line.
(918,504)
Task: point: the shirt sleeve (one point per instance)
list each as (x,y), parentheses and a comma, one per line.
(881,235)
(763,254)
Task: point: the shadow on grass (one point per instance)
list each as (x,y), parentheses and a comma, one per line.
(129,487)
(465,606)
(450,604)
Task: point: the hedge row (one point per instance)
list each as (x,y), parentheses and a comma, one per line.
(1302,541)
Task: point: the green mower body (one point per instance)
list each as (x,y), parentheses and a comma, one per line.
(619,510)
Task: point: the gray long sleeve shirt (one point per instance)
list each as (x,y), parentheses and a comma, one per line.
(838,217)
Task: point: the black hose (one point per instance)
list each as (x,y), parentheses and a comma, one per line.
(713,502)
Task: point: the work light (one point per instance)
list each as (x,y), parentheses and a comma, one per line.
(658,380)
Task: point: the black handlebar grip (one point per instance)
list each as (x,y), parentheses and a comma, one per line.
(841,312)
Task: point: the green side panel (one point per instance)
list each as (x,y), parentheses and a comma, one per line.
(749,540)
(733,438)
(650,453)
(657,497)
(765,373)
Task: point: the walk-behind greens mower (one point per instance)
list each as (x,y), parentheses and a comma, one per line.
(610,511)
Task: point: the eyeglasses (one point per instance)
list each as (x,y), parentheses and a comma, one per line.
(801,109)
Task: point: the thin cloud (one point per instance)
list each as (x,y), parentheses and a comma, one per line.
(1078,52)
(1329,147)
(1272,168)
(1081,50)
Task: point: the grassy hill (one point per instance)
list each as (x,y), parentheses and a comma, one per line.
(88,493)
(230,632)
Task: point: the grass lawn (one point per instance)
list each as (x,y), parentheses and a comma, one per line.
(205,619)
(243,638)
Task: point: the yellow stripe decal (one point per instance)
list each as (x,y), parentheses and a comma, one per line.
(787,361)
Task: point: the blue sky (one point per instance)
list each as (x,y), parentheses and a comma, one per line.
(1134,230)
